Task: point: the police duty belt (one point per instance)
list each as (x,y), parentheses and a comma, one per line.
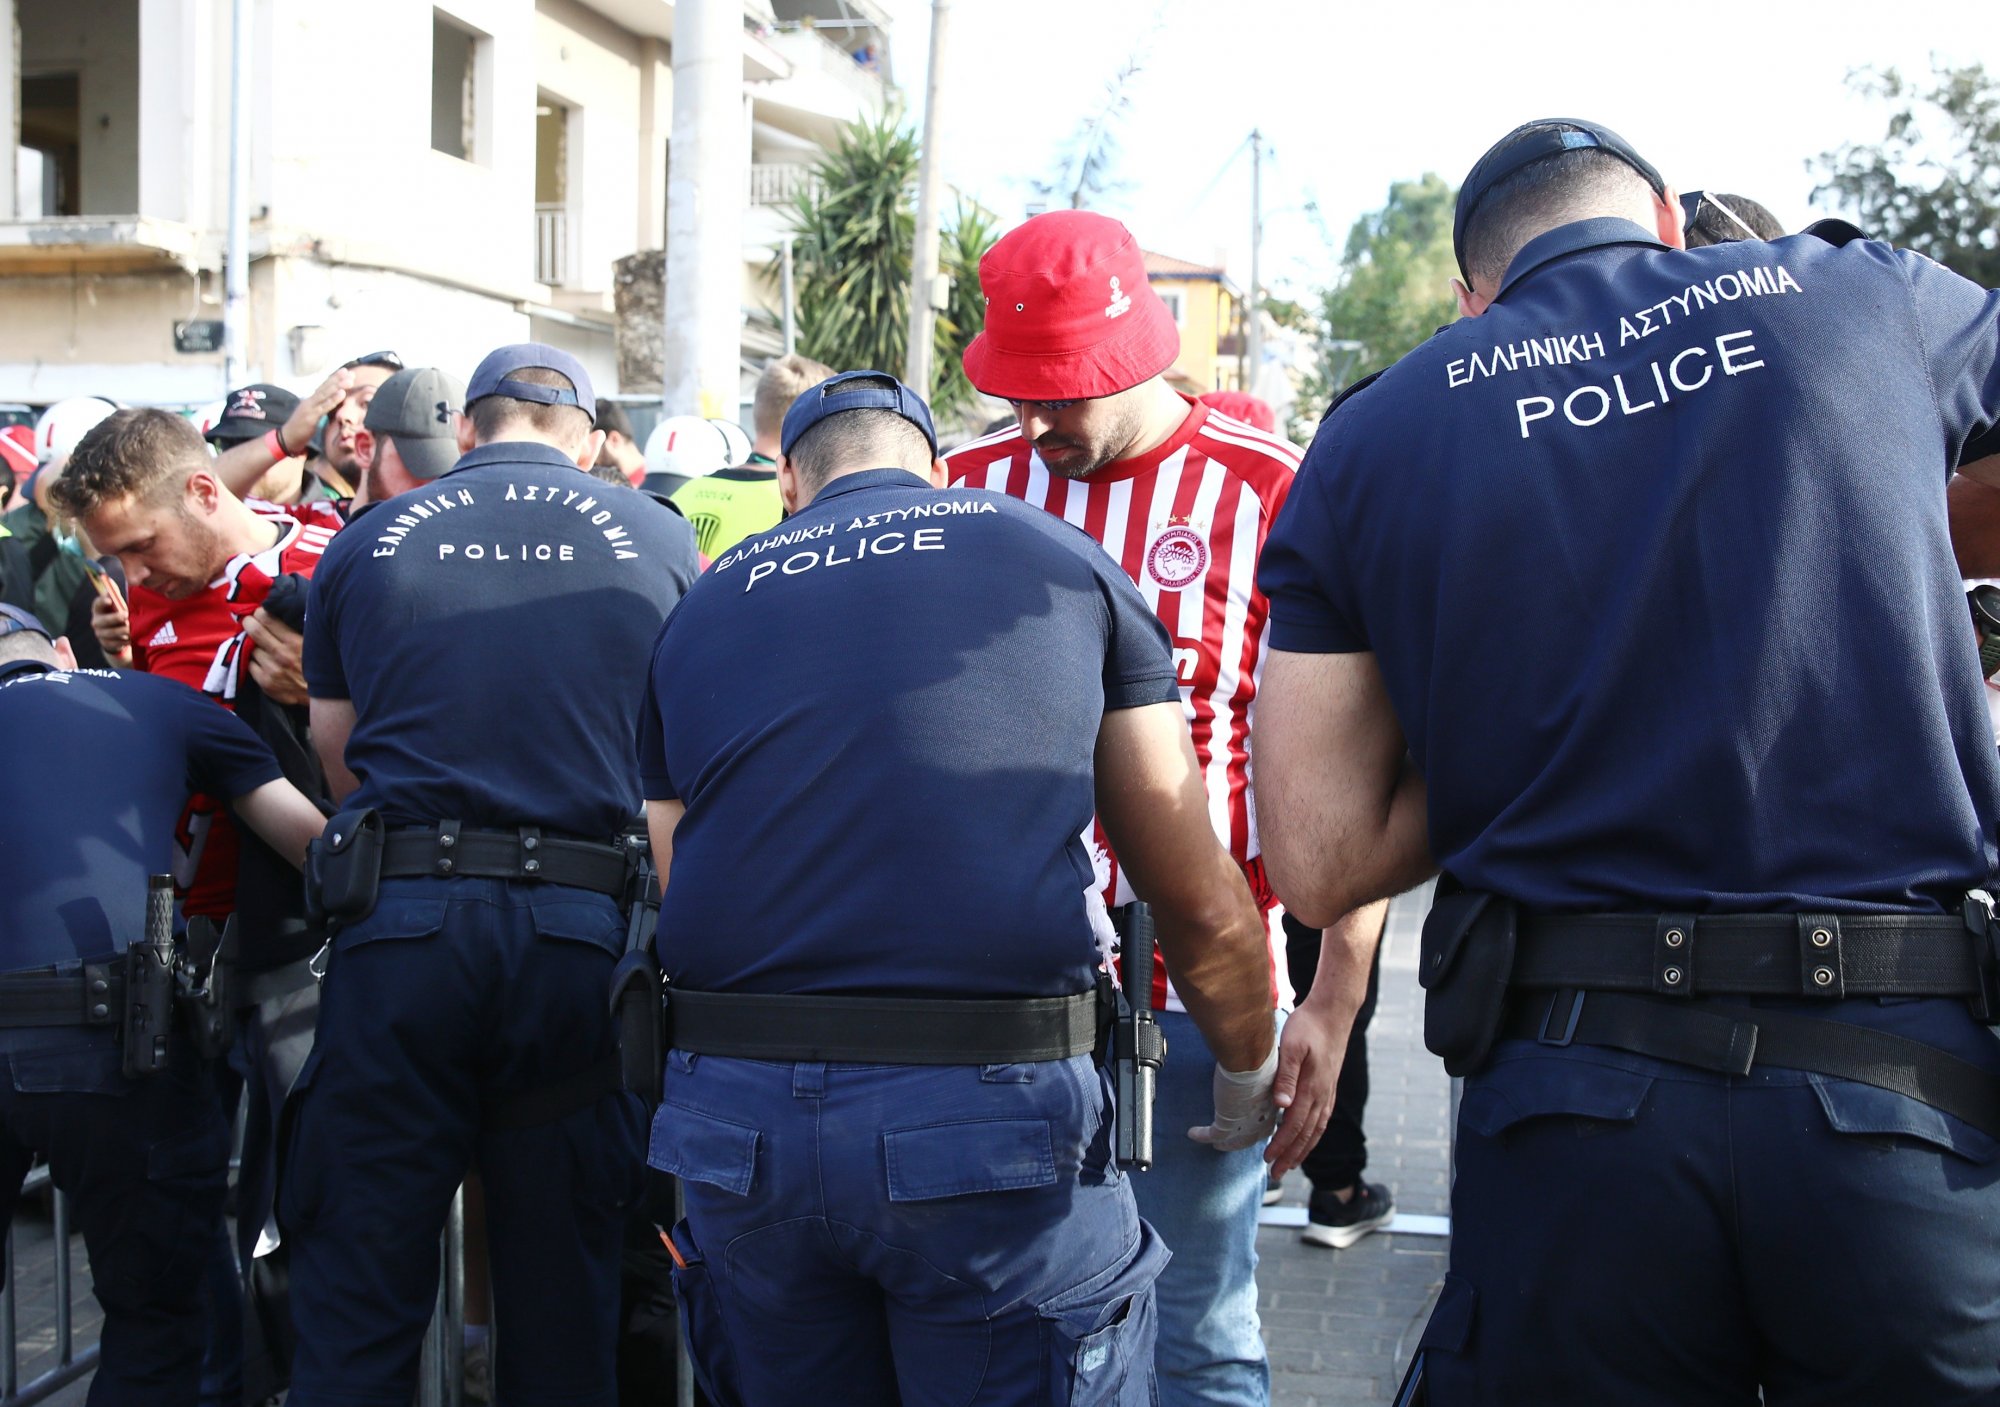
(93,997)
(1628,982)
(524,854)
(885,1030)
(1767,955)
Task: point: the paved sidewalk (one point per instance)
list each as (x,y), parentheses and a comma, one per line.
(1341,1324)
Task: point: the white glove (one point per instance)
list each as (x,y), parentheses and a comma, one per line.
(1244,1110)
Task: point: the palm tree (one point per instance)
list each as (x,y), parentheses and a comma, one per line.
(851,260)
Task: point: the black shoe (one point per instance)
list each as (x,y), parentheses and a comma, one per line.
(1332,1222)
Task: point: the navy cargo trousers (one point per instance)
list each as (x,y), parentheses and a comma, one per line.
(1633,1231)
(904,1233)
(441,1009)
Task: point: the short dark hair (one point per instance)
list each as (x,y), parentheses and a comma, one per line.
(20,643)
(1571,185)
(144,453)
(881,438)
(612,420)
(1711,223)
(491,415)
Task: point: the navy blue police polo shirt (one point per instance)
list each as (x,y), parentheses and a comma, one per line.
(492,629)
(90,798)
(881,717)
(1653,558)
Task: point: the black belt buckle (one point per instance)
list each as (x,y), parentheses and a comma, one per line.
(1542,1037)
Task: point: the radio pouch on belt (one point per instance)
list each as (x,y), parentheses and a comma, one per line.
(344,867)
(1466,957)
(640,1016)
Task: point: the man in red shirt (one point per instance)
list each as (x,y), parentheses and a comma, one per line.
(1077,341)
(216,602)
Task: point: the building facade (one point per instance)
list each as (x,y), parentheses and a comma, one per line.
(433,176)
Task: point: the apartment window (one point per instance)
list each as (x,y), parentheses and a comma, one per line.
(1176,301)
(46,166)
(552,210)
(457,56)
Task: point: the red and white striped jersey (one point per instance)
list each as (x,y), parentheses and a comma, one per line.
(190,640)
(1186,521)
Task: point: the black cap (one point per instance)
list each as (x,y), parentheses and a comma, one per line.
(491,377)
(250,412)
(1532,141)
(855,390)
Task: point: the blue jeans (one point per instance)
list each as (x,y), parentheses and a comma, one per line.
(906,1233)
(441,1010)
(1631,1231)
(1204,1205)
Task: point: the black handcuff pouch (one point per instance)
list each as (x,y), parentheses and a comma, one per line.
(1465,959)
(344,867)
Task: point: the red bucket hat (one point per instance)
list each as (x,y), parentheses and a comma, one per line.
(1069,313)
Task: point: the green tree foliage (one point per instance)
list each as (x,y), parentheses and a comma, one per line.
(851,261)
(1394,291)
(1933,182)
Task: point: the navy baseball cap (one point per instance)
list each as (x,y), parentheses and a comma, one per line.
(13,620)
(1532,141)
(855,390)
(492,377)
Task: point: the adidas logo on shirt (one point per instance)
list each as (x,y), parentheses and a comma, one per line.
(163,636)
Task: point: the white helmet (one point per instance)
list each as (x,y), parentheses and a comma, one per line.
(739,443)
(66,422)
(689,446)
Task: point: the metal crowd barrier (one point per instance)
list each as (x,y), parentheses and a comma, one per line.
(70,1365)
(441,1369)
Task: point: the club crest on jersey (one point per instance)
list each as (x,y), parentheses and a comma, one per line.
(1121,301)
(1178,558)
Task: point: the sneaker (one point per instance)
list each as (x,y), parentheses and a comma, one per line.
(1274,1191)
(1332,1222)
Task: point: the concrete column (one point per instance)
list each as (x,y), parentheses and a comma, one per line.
(707,185)
(655,89)
(173,175)
(10,105)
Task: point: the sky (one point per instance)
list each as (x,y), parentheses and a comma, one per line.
(1727,97)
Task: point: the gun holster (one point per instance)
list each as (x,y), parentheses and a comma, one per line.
(344,868)
(638,1009)
(1465,959)
(149,1011)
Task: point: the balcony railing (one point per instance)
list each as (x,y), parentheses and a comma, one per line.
(780,183)
(552,250)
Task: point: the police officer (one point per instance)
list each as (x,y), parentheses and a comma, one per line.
(881,1096)
(89,802)
(475,650)
(1632,590)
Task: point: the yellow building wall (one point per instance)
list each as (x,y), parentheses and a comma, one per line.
(1207,315)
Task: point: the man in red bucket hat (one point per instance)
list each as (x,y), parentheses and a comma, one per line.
(1079,343)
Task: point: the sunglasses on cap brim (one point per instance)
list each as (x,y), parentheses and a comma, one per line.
(388,359)
(1691,208)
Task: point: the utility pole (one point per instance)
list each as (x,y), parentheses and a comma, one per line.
(788,297)
(236,262)
(1255,338)
(707,187)
(924,256)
